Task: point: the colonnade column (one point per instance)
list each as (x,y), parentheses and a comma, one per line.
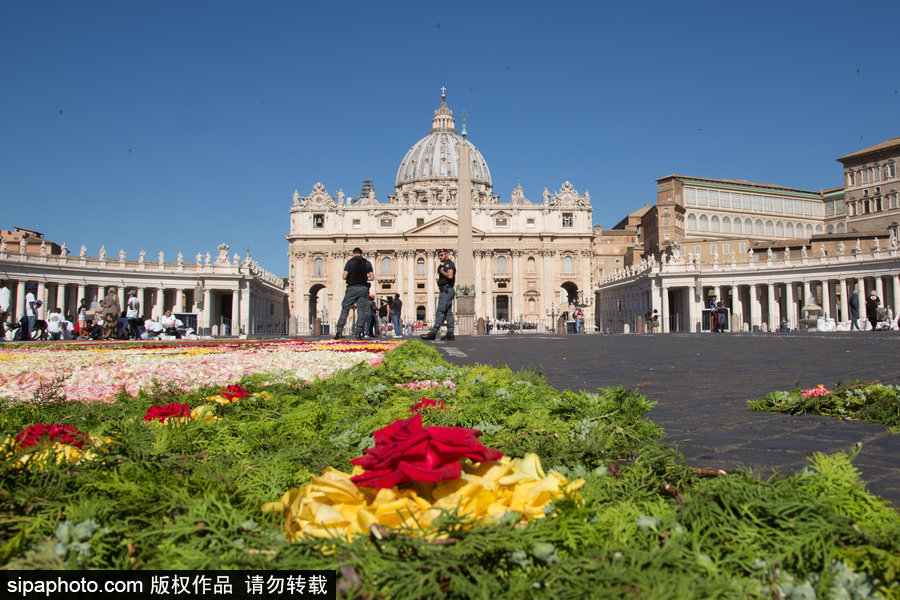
(409,303)
(790,316)
(737,309)
(692,303)
(430,274)
(863,294)
(81,291)
(207,309)
(479,284)
(515,291)
(489,284)
(20,300)
(773,316)
(842,283)
(879,288)
(896,287)
(245,319)
(664,311)
(826,299)
(61,298)
(806,294)
(235,310)
(755,308)
(160,302)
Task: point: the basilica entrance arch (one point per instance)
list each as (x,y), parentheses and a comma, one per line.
(318,303)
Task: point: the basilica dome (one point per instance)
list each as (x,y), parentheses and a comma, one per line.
(436,156)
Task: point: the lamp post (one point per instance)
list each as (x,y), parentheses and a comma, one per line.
(552,312)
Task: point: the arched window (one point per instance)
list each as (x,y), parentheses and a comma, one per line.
(704,223)
(819,229)
(319,267)
(770,228)
(841,228)
(531,265)
(829,229)
(799,229)
(420,266)
(692,222)
(779,229)
(759,227)
(714,223)
(737,226)
(809,231)
(568,265)
(501,264)
(387,266)
(726,225)
(790,230)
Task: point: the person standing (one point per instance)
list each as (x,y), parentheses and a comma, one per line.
(854,310)
(357,273)
(31,307)
(132,310)
(579,320)
(872,304)
(4,308)
(446,272)
(396,307)
(110,309)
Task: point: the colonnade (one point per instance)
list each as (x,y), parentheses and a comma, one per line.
(759,296)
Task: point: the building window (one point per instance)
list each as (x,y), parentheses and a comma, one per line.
(779,229)
(790,230)
(742,248)
(737,226)
(501,264)
(568,265)
(318,221)
(356,224)
(387,266)
(726,248)
(809,231)
(864,176)
(420,266)
(529,222)
(531,265)
(714,224)
(568,219)
(385,222)
(851,178)
(319,267)
(726,225)
(666,220)
(890,171)
(419,221)
(500,222)
(692,222)
(770,228)
(704,223)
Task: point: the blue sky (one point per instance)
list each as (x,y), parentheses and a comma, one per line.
(177,126)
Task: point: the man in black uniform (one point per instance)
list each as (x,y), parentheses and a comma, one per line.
(872,304)
(446,278)
(357,273)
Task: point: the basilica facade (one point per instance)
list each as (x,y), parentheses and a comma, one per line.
(530,260)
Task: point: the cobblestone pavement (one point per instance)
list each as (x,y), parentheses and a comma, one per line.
(700,383)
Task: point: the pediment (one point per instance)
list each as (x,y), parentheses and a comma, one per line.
(441,226)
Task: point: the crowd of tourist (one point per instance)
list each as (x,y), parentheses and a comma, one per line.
(99,320)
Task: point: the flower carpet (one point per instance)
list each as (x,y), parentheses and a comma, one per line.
(407,476)
(97,372)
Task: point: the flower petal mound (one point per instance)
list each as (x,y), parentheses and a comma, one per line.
(412,476)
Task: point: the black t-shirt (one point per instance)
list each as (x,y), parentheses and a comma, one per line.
(442,280)
(398,306)
(357,269)
(383,310)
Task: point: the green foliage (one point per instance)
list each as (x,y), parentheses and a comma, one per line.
(856,401)
(188,496)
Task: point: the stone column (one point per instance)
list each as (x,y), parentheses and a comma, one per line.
(845,316)
(755,308)
(207,310)
(160,302)
(42,296)
(516,291)
(479,284)
(664,311)
(120,292)
(61,298)
(236,310)
(430,274)
(807,292)
(773,307)
(246,319)
(826,299)
(301,285)
(20,300)
(693,313)
(879,289)
(789,308)
(409,303)
(737,309)
(896,286)
(489,284)
(81,295)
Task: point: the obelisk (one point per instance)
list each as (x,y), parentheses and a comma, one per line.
(465,263)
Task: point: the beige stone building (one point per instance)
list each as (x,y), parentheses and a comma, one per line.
(872,188)
(532,259)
